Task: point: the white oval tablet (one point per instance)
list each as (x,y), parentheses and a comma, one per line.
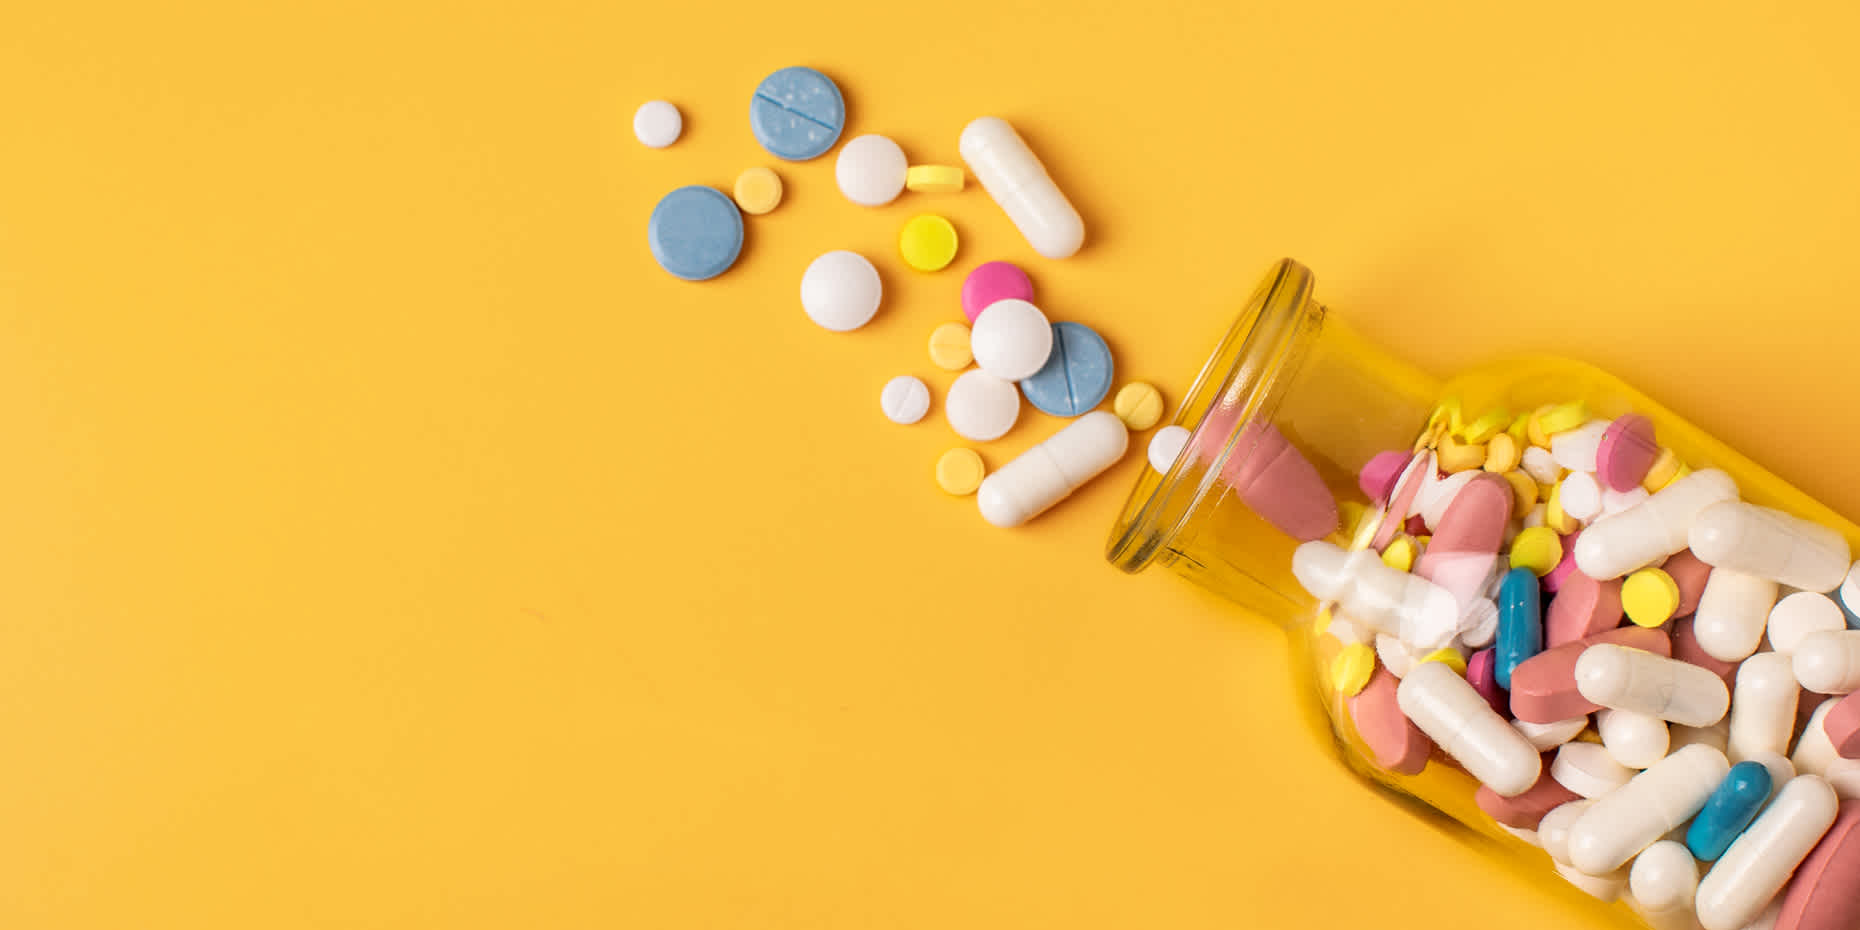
(657,124)
(840,291)
(1011,339)
(905,400)
(1582,496)
(871,171)
(981,407)
(1166,446)
(1588,770)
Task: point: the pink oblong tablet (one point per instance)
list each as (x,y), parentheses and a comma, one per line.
(1397,744)
(1843,726)
(1690,574)
(1276,480)
(992,281)
(1377,479)
(1543,687)
(1527,810)
(1582,608)
(1825,892)
(1627,452)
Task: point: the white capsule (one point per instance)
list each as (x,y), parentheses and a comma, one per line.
(1047,473)
(1601,887)
(1804,612)
(1576,449)
(1383,597)
(1770,544)
(1650,683)
(1657,528)
(1020,186)
(1763,707)
(1750,873)
(1011,339)
(1732,614)
(1547,736)
(1465,727)
(1829,663)
(1581,496)
(1553,830)
(1844,777)
(904,400)
(1630,818)
(1814,751)
(1588,770)
(1717,736)
(1613,501)
(1634,740)
(1850,588)
(1541,465)
(1664,878)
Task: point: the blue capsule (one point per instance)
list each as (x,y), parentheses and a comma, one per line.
(1731,808)
(1520,623)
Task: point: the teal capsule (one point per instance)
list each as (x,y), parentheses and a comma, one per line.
(1520,623)
(1729,810)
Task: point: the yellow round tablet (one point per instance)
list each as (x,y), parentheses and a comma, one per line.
(1524,492)
(1401,553)
(933,179)
(1139,405)
(949,347)
(1664,470)
(1539,549)
(927,242)
(1650,597)
(960,471)
(1450,657)
(1502,454)
(1351,669)
(758,190)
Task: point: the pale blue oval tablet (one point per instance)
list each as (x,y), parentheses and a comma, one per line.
(695,232)
(797,113)
(1076,377)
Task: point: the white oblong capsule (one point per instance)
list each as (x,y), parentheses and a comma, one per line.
(1014,177)
(1733,613)
(1828,663)
(1649,683)
(1814,751)
(1770,544)
(1750,873)
(1763,707)
(1632,739)
(1553,830)
(1465,727)
(1652,530)
(1386,598)
(1045,474)
(1664,877)
(1630,818)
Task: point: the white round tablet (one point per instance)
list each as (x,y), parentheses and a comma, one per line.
(1800,614)
(841,290)
(1166,446)
(981,407)
(1582,496)
(657,124)
(1011,339)
(871,170)
(905,400)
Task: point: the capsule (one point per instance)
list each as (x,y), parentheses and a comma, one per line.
(1829,662)
(1630,818)
(1630,679)
(1763,707)
(1814,751)
(1652,530)
(1520,623)
(1447,709)
(1732,614)
(1553,830)
(1770,544)
(1742,883)
(1019,184)
(1634,740)
(1390,600)
(1729,810)
(1663,881)
(1045,474)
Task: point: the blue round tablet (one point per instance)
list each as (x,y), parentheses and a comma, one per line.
(797,113)
(695,232)
(1075,377)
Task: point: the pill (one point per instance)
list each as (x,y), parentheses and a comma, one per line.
(1544,689)
(981,407)
(1604,888)
(1581,496)
(1019,184)
(797,113)
(1634,740)
(1524,491)
(1524,811)
(1520,623)
(1664,878)
(1547,736)
(1553,582)
(1759,862)
(959,471)
(1553,829)
(1576,449)
(1049,472)
(695,233)
(992,281)
(1077,373)
(1627,452)
(1814,749)
(1653,531)
(1691,575)
(870,170)
(1538,549)
(1828,663)
(1582,608)
(1822,895)
(1458,720)
(1629,679)
(1628,819)
(1351,669)
(1555,517)
(949,347)
(927,242)
(1588,770)
(1011,339)
(1540,465)
(1462,554)
(1796,616)
(1451,658)
(1279,484)
(934,179)
(1437,494)
(1561,418)
(1166,446)
(1456,456)
(757,190)
(841,291)
(1650,597)
(657,124)
(1763,707)
(1686,648)
(1501,454)
(1378,476)
(904,400)
(1732,614)
(1372,592)
(1613,502)
(1400,554)
(1479,624)
(1771,544)
(1394,742)
(1139,405)
(1661,473)
(1843,727)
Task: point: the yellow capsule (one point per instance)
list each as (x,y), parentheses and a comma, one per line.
(1139,405)
(1456,456)
(1538,549)
(1554,515)
(1664,470)
(1650,596)
(1523,491)
(1502,454)
(1352,667)
(1401,553)
(933,179)
(1563,418)
(1449,657)
(960,471)
(1483,429)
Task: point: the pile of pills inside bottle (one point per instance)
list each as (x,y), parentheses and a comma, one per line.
(1652,679)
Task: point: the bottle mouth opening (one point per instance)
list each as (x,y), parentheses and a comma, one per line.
(1235,387)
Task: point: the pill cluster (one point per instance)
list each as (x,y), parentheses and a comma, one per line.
(1651,679)
(1063,368)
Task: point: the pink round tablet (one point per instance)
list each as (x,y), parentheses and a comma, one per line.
(1627,452)
(992,281)
(1377,479)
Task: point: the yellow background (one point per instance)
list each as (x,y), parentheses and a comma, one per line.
(386,542)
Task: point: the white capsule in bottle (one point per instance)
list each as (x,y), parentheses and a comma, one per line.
(1019,184)
(1770,544)
(1649,683)
(1045,474)
(1733,613)
(1750,873)
(1632,817)
(1391,600)
(1663,880)
(1465,727)
(1652,530)
(1829,663)
(1762,707)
